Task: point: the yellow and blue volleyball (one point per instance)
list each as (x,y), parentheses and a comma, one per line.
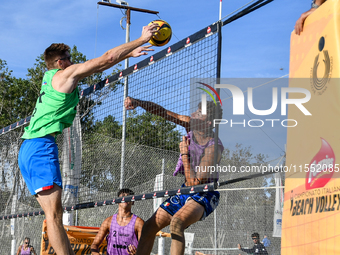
(164,33)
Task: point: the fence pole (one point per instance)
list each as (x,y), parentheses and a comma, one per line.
(122,160)
(13,210)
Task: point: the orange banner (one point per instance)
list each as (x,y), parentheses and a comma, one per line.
(312,186)
(81,239)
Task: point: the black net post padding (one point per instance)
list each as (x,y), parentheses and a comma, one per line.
(247,10)
(218,77)
(157,194)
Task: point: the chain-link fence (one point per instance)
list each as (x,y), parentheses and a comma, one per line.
(242,209)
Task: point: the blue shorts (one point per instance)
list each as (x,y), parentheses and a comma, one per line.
(209,200)
(39,164)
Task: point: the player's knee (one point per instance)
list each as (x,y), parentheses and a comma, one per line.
(177,226)
(55,215)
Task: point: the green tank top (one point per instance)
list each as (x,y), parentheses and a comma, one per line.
(53,111)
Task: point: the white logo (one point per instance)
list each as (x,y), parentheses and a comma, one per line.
(238,100)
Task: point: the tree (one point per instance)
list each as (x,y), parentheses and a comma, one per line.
(152,130)
(242,156)
(17,98)
(146,134)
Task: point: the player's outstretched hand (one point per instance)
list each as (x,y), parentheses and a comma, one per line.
(141,51)
(300,22)
(130,103)
(131,249)
(149,31)
(239,246)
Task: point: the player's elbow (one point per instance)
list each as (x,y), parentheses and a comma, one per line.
(109,59)
(113,57)
(102,63)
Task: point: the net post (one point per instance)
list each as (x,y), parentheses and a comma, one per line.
(217,116)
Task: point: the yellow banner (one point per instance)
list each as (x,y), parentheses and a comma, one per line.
(81,239)
(312,188)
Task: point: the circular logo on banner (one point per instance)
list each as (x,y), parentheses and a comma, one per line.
(321,70)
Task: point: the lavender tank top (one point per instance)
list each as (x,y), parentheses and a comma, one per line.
(196,152)
(25,252)
(121,237)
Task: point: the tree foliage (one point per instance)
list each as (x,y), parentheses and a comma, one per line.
(148,139)
(152,130)
(242,156)
(16,97)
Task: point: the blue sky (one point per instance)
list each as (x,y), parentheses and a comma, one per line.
(255,46)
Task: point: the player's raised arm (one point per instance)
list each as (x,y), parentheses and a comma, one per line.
(182,120)
(66,80)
